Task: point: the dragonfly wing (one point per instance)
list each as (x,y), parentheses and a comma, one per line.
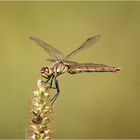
(88,64)
(53,52)
(88,43)
(66,62)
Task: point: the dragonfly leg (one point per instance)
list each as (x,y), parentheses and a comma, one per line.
(57,91)
(47,80)
(51,83)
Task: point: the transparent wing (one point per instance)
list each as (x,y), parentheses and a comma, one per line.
(87,64)
(73,63)
(53,52)
(88,43)
(64,61)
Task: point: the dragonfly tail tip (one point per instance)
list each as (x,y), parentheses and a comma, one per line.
(117,69)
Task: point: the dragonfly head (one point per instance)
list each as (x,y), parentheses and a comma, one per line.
(46,72)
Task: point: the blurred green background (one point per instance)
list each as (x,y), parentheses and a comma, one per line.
(95,105)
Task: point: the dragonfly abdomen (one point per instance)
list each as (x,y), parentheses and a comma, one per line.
(79,69)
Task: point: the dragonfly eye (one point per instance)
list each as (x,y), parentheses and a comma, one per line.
(45,70)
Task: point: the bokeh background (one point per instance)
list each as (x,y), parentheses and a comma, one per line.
(95,105)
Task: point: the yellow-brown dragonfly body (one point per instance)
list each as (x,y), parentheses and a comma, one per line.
(60,67)
(62,64)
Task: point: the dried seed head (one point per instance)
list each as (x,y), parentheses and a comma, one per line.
(41,117)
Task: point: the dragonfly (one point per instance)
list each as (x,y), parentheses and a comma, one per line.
(62,64)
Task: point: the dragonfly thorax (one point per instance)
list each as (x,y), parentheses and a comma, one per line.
(59,68)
